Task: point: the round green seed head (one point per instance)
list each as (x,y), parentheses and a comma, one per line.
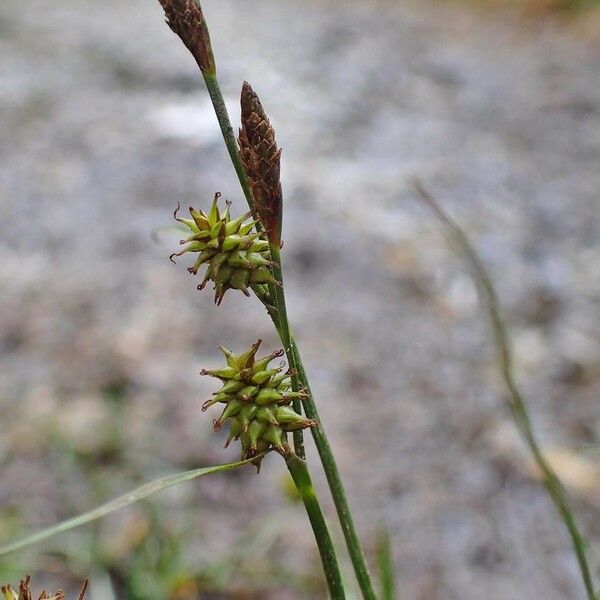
(237,256)
(257,413)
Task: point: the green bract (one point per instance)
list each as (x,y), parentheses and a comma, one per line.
(236,256)
(256,399)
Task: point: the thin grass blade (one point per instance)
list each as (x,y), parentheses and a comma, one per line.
(516,402)
(125,500)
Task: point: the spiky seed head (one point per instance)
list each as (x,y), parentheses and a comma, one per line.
(256,399)
(236,256)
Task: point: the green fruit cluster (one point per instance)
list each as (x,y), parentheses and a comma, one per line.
(236,256)
(257,402)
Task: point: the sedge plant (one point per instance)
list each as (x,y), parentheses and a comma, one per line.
(263,404)
(256,159)
(267,407)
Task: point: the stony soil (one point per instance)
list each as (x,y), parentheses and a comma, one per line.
(105,126)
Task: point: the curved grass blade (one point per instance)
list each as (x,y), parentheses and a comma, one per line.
(516,402)
(125,500)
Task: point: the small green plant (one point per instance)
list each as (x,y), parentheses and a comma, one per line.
(267,408)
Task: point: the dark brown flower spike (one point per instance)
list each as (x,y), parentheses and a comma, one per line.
(185,18)
(261,158)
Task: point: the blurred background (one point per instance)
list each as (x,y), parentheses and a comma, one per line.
(106,125)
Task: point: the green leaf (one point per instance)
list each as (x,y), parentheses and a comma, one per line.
(505,363)
(385,562)
(125,500)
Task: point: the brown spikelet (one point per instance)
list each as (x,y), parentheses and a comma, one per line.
(185,18)
(24,589)
(8,593)
(261,158)
(83,590)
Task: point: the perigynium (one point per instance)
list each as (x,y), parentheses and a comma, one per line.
(237,257)
(257,400)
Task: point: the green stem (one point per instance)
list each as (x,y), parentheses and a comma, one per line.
(301,477)
(327,459)
(282,325)
(276,292)
(516,403)
(386,566)
(283,328)
(335,483)
(214,91)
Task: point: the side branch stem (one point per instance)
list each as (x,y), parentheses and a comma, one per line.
(276,292)
(283,328)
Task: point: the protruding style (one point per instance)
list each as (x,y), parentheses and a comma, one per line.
(261,158)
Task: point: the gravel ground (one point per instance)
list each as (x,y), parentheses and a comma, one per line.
(106,126)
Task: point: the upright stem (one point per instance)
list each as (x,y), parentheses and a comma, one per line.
(283,328)
(281,323)
(301,477)
(214,91)
(335,483)
(327,459)
(385,562)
